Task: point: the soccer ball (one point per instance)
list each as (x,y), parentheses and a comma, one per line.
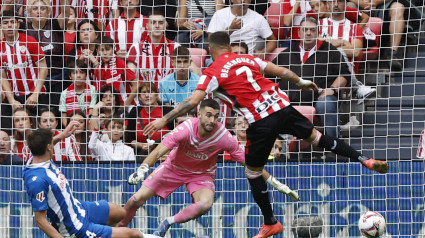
(372,224)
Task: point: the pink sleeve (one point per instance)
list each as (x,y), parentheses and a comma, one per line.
(176,136)
(236,152)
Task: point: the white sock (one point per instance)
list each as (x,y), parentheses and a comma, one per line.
(171,220)
(150,236)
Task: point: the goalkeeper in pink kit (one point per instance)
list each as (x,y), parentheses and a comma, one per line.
(192,161)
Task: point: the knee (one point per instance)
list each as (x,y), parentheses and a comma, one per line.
(116,212)
(204,206)
(396,9)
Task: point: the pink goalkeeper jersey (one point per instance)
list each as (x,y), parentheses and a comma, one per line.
(196,154)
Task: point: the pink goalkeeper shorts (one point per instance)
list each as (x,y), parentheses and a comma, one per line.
(165,179)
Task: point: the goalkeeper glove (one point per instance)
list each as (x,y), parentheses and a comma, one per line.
(283,188)
(139,175)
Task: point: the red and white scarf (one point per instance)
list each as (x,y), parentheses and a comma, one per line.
(155,63)
(72,100)
(66,149)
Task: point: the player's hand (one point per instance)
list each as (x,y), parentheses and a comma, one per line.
(286,190)
(154,126)
(139,175)
(32,100)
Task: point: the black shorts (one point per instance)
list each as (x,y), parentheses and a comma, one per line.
(262,134)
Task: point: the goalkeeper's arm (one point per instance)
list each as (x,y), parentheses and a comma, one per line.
(150,160)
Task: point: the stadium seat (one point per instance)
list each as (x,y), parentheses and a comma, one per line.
(309,112)
(198,56)
(274,15)
(375,25)
(274,54)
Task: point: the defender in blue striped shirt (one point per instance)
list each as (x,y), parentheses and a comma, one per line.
(52,197)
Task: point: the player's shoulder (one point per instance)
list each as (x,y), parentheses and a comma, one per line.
(35,177)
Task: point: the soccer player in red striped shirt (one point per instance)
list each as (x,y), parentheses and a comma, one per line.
(238,81)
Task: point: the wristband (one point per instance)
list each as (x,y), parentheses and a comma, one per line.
(145,166)
(303,82)
(334,89)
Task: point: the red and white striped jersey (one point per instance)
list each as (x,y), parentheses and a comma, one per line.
(126,32)
(19,61)
(239,82)
(115,74)
(66,150)
(304,9)
(95,10)
(56,8)
(153,61)
(345,29)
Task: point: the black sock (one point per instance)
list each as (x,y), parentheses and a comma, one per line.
(258,186)
(340,147)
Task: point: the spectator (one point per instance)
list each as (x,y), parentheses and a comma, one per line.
(113,148)
(79,96)
(49,33)
(148,110)
(322,63)
(259,6)
(107,107)
(24,69)
(114,72)
(168,7)
(22,126)
(240,48)
(395,17)
(96,11)
(128,28)
(347,36)
(294,12)
(80,134)
(85,49)
(17,6)
(66,148)
(177,86)
(244,24)
(6,155)
(70,31)
(193,20)
(150,59)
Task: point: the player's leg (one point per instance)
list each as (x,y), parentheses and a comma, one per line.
(261,136)
(116,214)
(125,232)
(201,187)
(135,201)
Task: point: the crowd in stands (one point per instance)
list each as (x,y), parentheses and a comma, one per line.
(109,67)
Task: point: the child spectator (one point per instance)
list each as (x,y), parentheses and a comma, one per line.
(22,126)
(128,28)
(80,134)
(107,107)
(113,148)
(79,96)
(148,110)
(177,86)
(65,149)
(113,71)
(49,33)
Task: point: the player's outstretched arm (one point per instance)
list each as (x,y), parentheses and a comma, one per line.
(181,109)
(280,186)
(150,160)
(45,226)
(286,74)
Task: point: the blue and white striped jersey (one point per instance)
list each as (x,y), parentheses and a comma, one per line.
(49,190)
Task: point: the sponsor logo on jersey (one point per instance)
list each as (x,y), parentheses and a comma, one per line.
(197,155)
(40,196)
(62,181)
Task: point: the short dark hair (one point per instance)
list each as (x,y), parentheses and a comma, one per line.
(240,44)
(181,52)
(309,19)
(210,103)
(116,120)
(38,141)
(96,29)
(114,93)
(10,14)
(156,11)
(105,41)
(80,64)
(220,38)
